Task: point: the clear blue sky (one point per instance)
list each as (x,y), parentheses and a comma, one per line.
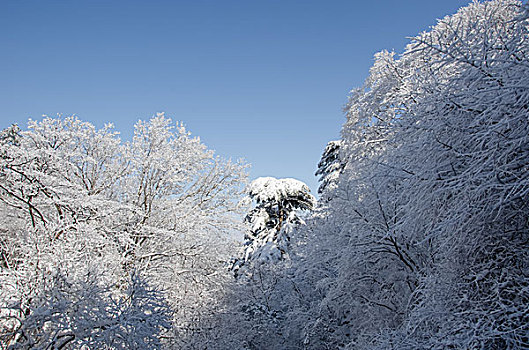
(262,80)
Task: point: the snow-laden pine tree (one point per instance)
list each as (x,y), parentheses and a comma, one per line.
(329,168)
(278,205)
(253,309)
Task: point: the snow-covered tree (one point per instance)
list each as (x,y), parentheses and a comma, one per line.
(251,312)
(330,167)
(76,200)
(278,203)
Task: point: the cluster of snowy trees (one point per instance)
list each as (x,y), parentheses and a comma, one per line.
(420,238)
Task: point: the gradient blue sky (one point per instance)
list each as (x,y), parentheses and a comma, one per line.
(261,80)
